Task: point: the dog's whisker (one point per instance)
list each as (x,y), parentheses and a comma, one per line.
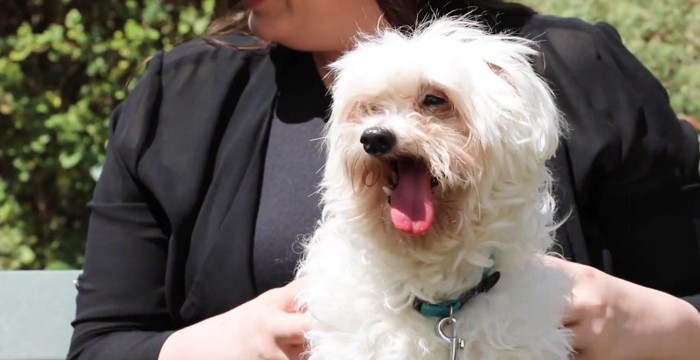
(478,201)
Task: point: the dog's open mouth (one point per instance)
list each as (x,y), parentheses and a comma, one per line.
(410,196)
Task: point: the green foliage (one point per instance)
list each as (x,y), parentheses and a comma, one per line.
(64,65)
(664,35)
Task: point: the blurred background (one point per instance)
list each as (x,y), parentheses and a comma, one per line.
(65,64)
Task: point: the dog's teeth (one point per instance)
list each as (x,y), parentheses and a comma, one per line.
(387,190)
(394,177)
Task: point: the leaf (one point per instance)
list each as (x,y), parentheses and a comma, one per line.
(69,160)
(25,254)
(59,265)
(73,19)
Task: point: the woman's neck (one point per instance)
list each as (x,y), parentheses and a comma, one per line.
(322,59)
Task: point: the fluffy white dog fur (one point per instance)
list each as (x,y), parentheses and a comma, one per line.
(473,126)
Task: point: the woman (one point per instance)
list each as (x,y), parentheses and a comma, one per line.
(210,166)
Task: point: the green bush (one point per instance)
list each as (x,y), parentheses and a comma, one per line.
(63,67)
(665,36)
(65,64)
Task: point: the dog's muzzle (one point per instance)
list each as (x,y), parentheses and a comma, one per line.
(377,141)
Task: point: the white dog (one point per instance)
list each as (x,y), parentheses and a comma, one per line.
(437,205)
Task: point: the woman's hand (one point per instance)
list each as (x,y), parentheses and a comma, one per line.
(615,319)
(266,328)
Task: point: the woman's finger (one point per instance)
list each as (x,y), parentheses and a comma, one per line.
(289,328)
(572,314)
(297,285)
(582,338)
(295,352)
(284,297)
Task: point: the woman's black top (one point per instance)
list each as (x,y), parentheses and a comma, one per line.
(211,163)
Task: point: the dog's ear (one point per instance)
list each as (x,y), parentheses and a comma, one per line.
(507,106)
(538,120)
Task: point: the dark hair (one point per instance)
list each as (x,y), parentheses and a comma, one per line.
(499,15)
(230,17)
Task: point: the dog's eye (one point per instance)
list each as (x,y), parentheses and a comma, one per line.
(432,100)
(373,108)
(370,108)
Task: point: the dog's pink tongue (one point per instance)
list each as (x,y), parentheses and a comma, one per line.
(412,208)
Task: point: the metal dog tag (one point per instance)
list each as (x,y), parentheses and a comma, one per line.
(455,342)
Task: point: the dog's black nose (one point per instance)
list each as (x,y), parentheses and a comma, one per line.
(377,141)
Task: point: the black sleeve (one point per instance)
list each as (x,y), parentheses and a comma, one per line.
(644,180)
(121,311)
